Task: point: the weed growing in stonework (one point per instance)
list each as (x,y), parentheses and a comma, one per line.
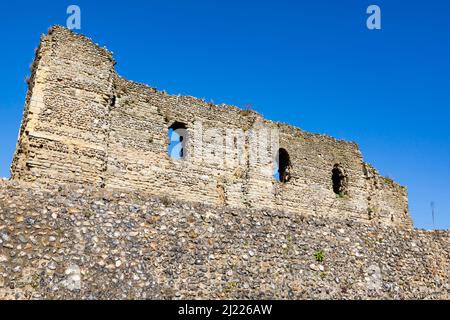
(230,286)
(341,195)
(319,255)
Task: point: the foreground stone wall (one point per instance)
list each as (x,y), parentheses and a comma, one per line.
(90,243)
(83,124)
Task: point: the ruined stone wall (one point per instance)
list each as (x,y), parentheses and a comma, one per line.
(84,124)
(64,131)
(67,242)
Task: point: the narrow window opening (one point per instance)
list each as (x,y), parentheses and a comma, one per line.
(177,141)
(282,166)
(113,101)
(339,180)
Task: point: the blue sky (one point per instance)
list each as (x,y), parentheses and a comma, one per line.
(313,64)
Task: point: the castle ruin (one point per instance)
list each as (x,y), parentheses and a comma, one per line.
(84,124)
(120,191)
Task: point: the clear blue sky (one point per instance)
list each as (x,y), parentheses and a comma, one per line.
(313,64)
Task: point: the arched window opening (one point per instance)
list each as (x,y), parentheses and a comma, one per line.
(178,137)
(282,166)
(339,180)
